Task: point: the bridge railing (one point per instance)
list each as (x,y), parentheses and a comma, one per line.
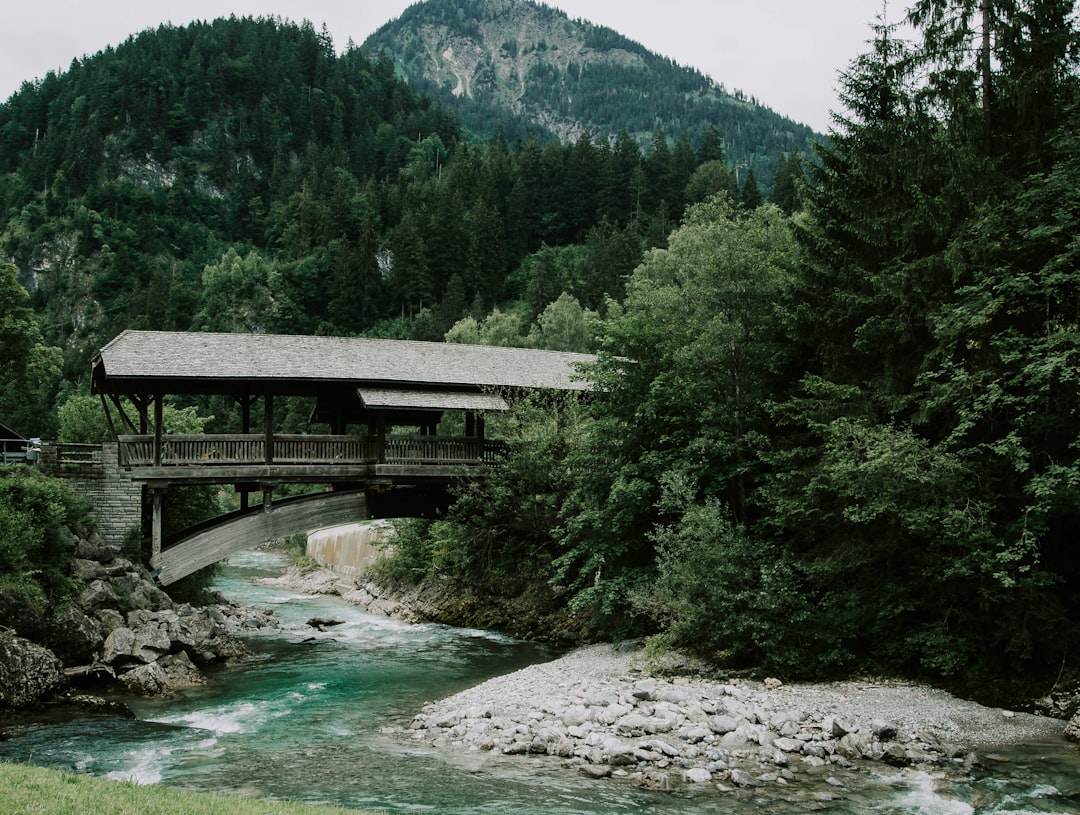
(138,451)
(234,449)
(438,450)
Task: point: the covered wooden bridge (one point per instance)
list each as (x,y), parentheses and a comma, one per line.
(382,401)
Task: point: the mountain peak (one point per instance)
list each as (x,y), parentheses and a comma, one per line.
(494,59)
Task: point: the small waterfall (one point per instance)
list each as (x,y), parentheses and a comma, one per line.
(348,550)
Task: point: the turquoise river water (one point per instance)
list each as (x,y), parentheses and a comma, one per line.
(303,722)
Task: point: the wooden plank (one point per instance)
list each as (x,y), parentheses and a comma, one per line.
(260,526)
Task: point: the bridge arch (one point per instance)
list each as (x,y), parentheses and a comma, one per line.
(211,541)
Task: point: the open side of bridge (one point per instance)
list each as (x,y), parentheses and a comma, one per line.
(209,543)
(377,437)
(199,546)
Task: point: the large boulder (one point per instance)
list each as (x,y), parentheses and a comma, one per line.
(66,630)
(93,548)
(72,636)
(167,675)
(98,595)
(28,672)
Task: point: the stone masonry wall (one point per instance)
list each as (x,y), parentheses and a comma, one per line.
(115,498)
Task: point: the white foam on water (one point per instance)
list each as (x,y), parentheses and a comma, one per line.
(240,717)
(146,766)
(917,794)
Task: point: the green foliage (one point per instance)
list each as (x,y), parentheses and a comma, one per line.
(36,514)
(565,326)
(82,420)
(681,382)
(500,529)
(926,467)
(734,599)
(413,555)
(29,369)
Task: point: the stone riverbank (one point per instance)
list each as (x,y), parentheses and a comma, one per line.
(598,709)
(601,710)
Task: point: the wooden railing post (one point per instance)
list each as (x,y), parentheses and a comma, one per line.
(268,428)
(158,421)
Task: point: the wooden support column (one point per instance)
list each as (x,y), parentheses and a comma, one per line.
(157,496)
(245,413)
(268,427)
(141,404)
(470,423)
(245,428)
(379,439)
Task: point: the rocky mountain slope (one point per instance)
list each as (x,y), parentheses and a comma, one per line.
(527,67)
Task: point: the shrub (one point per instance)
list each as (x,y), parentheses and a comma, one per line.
(36,514)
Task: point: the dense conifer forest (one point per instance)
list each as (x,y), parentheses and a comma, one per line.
(832,431)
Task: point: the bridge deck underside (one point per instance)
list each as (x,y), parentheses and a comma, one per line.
(258,525)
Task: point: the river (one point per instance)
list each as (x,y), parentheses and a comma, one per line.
(304,722)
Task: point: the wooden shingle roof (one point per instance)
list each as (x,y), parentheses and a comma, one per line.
(188,362)
(402,399)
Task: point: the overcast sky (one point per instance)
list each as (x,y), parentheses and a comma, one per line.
(786,53)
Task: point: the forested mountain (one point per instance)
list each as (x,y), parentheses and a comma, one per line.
(239,175)
(528,69)
(844,440)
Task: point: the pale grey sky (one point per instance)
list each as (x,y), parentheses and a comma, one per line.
(787,53)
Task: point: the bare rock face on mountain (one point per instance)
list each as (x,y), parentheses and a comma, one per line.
(499,62)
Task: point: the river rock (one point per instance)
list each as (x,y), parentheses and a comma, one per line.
(741,778)
(1072,729)
(119,646)
(595,770)
(72,635)
(884,731)
(93,548)
(896,756)
(98,595)
(87,571)
(28,672)
(166,676)
(853,746)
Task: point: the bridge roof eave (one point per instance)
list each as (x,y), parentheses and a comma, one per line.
(140,362)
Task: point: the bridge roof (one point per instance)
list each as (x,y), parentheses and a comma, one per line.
(205,363)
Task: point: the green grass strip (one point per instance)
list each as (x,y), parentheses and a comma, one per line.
(26,790)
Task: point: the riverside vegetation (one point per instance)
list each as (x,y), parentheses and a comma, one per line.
(829,434)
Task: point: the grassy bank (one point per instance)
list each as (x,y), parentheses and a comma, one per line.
(26,790)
